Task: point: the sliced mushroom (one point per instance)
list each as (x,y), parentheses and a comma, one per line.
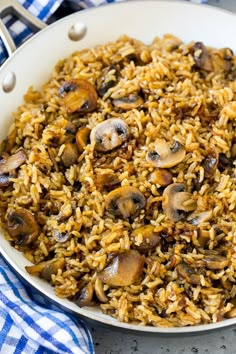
(161,176)
(78,96)
(150,238)
(109,134)
(210,164)
(201,57)
(214,60)
(166,155)
(224,162)
(84,296)
(70,154)
(12,162)
(4,180)
(203,237)
(82,138)
(124,270)
(46,269)
(197,219)
(70,128)
(176,202)
(106,180)
(108,79)
(22,226)
(61,237)
(215,262)
(98,287)
(222,59)
(186,273)
(125,201)
(130,102)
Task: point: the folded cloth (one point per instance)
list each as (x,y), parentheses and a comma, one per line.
(29,326)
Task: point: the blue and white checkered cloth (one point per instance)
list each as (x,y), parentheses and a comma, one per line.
(29,326)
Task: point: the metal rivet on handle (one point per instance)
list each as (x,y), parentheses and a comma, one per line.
(77,31)
(9,82)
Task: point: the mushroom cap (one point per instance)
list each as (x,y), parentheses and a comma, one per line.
(186,273)
(124,270)
(98,287)
(161,176)
(84,296)
(78,96)
(166,155)
(82,138)
(70,154)
(47,268)
(130,102)
(22,226)
(125,201)
(150,238)
(108,79)
(109,134)
(176,202)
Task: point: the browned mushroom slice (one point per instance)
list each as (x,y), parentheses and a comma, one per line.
(108,79)
(82,138)
(203,237)
(98,287)
(161,176)
(22,226)
(201,57)
(125,201)
(46,269)
(130,102)
(222,59)
(215,262)
(12,162)
(166,155)
(106,180)
(78,96)
(61,237)
(109,134)
(210,164)
(149,238)
(124,270)
(176,202)
(84,296)
(70,128)
(186,273)
(4,180)
(70,154)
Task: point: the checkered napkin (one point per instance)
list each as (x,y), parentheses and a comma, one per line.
(29,326)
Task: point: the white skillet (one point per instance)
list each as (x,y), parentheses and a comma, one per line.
(33,62)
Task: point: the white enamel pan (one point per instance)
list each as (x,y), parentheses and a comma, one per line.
(33,62)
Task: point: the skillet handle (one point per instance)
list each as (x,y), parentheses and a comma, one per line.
(14,7)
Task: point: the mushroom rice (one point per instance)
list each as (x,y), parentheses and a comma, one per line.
(117,181)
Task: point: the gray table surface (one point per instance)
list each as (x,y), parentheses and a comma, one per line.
(114,341)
